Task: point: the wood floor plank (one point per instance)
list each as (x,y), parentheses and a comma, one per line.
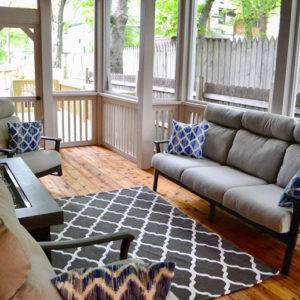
(95,169)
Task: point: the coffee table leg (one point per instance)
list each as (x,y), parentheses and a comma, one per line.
(42,235)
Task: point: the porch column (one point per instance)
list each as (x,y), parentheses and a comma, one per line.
(283,91)
(145,130)
(49,108)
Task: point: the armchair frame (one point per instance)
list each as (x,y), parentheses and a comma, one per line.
(125,236)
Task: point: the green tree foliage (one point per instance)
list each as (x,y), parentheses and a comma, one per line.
(166,17)
(251,13)
(11,38)
(86,9)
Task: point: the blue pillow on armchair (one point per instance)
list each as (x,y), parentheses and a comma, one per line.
(292,190)
(187,139)
(24,137)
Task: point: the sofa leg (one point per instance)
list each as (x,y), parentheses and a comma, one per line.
(59,171)
(293,235)
(211,212)
(156,174)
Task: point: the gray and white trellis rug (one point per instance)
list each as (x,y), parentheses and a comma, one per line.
(206,265)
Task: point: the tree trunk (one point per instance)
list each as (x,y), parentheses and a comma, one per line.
(117,32)
(203,17)
(263,19)
(58,50)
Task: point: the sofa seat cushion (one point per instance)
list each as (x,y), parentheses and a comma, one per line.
(213,182)
(42,160)
(260,205)
(173,165)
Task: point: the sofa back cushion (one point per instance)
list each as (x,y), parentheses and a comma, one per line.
(269,125)
(290,165)
(224,116)
(297,132)
(218,142)
(224,123)
(257,155)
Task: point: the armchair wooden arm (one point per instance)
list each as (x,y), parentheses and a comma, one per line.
(56,140)
(8,152)
(125,236)
(158,143)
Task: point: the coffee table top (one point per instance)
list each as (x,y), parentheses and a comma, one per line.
(44,211)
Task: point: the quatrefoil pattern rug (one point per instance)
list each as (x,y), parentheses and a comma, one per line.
(206,265)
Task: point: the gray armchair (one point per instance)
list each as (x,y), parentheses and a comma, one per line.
(41,162)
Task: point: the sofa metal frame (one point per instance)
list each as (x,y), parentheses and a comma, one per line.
(53,171)
(289,238)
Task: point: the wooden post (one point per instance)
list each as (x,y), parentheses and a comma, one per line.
(200,88)
(285,61)
(49,107)
(65,72)
(183,51)
(145,130)
(87,79)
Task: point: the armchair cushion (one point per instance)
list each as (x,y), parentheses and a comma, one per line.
(117,281)
(39,161)
(24,137)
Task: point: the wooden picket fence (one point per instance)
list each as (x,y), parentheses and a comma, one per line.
(164,60)
(245,63)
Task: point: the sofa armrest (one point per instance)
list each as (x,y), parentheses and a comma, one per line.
(125,236)
(56,140)
(158,143)
(8,152)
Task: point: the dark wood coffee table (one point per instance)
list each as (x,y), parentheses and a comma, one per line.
(44,211)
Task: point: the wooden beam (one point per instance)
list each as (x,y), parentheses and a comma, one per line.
(14,17)
(145,130)
(30,34)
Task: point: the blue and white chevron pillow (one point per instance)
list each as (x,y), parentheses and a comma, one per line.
(292,190)
(128,281)
(187,139)
(24,137)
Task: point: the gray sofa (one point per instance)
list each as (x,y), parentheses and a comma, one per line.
(249,157)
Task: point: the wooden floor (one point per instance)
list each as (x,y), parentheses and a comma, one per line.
(96,169)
